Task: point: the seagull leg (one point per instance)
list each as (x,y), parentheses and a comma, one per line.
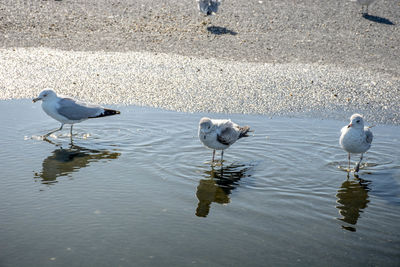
(348,157)
(70,136)
(72,141)
(62,124)
(50,142)
(213,155)
(358,164)
(222,156)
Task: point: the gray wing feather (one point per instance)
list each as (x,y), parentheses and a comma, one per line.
(369,136)
(76,110)
(228,136)
(214,6)
(203,6)
(208,6)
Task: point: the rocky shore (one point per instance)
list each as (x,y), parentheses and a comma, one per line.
(313,58)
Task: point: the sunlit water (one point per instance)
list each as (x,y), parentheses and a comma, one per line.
(138,189)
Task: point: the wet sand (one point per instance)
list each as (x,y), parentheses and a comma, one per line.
(269,57)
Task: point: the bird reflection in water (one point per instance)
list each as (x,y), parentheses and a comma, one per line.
(218,186)
(353,199)
(63,162)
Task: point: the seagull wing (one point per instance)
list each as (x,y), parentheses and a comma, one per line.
(203,5)
(214,6)
(76,110)
(228,135)
(369,135)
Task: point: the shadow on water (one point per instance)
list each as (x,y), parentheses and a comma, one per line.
(378,19)
(353,199)
(220,30)
(218,186)
(63,162)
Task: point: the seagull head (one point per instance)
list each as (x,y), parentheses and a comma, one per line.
(356,121)
(205,125)
(45,95)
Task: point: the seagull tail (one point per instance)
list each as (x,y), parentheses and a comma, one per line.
(244,131)
(108,112)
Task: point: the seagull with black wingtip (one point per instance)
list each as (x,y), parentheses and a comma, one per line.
(68,110)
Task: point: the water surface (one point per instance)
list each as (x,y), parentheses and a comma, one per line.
(139,190)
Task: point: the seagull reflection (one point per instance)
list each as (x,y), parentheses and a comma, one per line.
(63,162)
(353,199)
(218,186)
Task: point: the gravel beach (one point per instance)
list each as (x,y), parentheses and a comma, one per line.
(308,58)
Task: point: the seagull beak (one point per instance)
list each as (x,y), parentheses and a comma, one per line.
(36,99)
(348,126)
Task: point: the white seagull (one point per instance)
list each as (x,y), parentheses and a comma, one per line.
(69,111)
(365,3)
(208,7)
(356,138)
(220,134)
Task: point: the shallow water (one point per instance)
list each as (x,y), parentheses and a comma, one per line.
(138,190)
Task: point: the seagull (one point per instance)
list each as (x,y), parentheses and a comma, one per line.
(68,110)
(356,138)
(220,134)
(365,3)
(208,7)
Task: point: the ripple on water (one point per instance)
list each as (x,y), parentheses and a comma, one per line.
(281,187)
(278,147)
